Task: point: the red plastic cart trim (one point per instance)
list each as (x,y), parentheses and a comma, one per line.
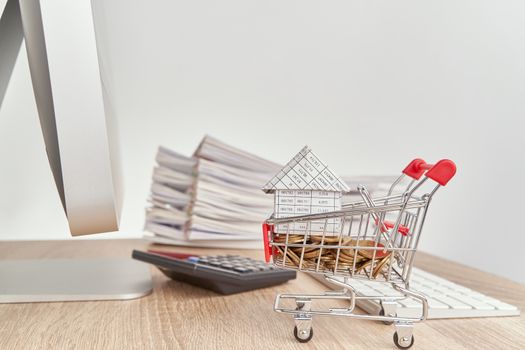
(416,168)
(442,172)
(267,228)
(388,225)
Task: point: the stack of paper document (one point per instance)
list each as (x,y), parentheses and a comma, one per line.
(214,198)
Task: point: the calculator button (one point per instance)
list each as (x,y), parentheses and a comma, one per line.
(215,263)
(240,269)
(226,265)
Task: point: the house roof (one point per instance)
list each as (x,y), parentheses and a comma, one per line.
(306,172)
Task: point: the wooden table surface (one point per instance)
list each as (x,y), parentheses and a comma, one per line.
(180,316)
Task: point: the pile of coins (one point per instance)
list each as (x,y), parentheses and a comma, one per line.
(317,253)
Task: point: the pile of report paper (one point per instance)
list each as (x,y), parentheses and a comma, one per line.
(214,198)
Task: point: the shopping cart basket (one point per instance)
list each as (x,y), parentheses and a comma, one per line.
(377,240)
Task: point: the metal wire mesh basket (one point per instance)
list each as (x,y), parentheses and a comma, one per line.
(375,239)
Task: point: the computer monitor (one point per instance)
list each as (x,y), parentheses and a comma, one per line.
(79,132)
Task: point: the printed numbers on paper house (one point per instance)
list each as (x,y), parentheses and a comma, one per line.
(306,186)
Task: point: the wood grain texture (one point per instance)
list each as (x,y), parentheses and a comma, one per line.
(179,316)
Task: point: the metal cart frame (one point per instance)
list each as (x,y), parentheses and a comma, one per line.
(377,240)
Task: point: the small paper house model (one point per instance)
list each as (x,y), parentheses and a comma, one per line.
(306,186)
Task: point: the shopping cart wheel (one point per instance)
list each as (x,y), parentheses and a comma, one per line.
(382,313)
(303,336)
(403,343)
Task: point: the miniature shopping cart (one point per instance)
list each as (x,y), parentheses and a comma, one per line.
(376,239)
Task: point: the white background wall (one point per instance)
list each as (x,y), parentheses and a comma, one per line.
(367,84)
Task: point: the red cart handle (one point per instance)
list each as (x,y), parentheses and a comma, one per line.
(267,228)
(416,168)
(441,172)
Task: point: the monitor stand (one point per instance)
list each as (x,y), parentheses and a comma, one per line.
(23,281)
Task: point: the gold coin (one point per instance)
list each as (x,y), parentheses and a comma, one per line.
(360,260)
(346,269)
(282,238)
(312,254)
(308,264)
(340,267)
(325,257)
(293,256)
(349,241)
(309,249)
(362,265)
(295,237)
(327,239)
(344,259)
(290,256)
(329,264)
(316,238)
(279,262)
(341,241)
(296,250)
(369,253)
(383,263)
(349,253)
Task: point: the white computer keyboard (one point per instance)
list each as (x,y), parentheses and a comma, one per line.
(445,299)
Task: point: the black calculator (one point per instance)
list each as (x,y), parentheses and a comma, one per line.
(224,274)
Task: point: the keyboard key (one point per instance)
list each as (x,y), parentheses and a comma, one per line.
(453,303)
(476,304)
(369,292)
(426,291)
(442,290)
(499,304)
(461,289)
(435,304)
(388,291)
(410,303)
(504,306)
